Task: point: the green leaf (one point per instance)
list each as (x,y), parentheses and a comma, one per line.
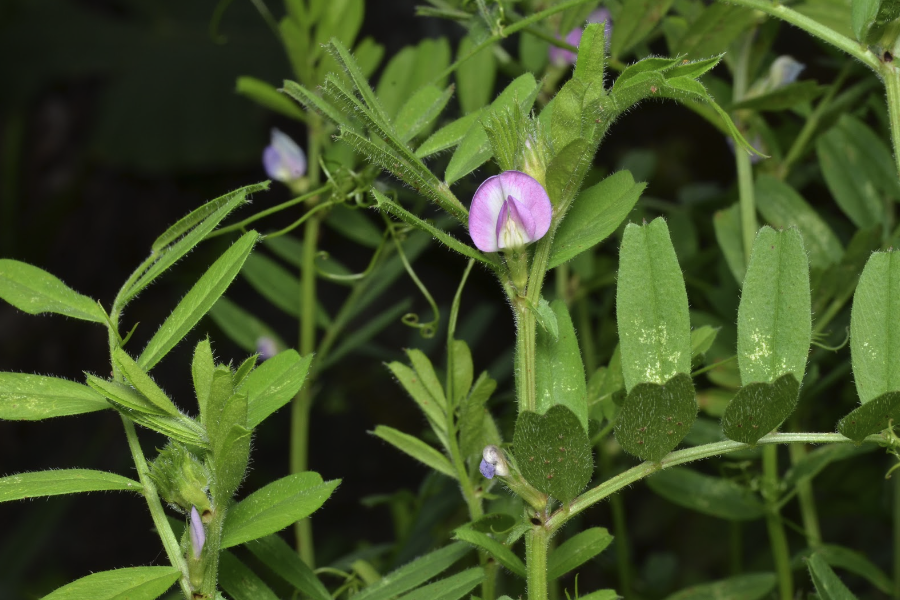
(314,102)
(475,149)
(202,368)
(449,588)
(828,585)
(702,340)
(601,595)
(553,452)
(241,327)
(417,449)
(872,417)
(753,586)
(594,215)
(558,369)
(133,583)
(493,523)
(875,327)
(414,387)
(862,17)
(143,383)
(842,162)
(502,553)
(634,22)
(567,170)
(782,98)
(577,550)
(655,417)
(241,583)
(349,222)
(591,62)
(850,560)
(244,369)
(36,291)
(651,307)
(546,318)
(815,461)
(783,207)
(277,555)
(414,573)
(62,481)
(760,407)
(184,235)
(774,318)
(230,439)
(273,282)
(727,225)
(421,110)
(475,78)
(461,372)
(351,67)
(357,338)
(474,417)
(715,29)
(272,385)
(425,370)
(409,70)
(198,301)
(265,94)
(124,396)
(448,136)
(25,397)
(713,496)
(275,506)
(565,120)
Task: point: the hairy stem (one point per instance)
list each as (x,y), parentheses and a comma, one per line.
(891,77)
(777,538)
(742,159)
(680,457)
(171,545)
(302,402)
(537,542)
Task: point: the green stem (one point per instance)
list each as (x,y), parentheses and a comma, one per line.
(813,27)
(777,537)
(807,501)
(537,542)
(212,552)
(620,531)
(518,25)
(680,457)
(812,123)
(742,159)
(896,508)
(526,391)
(171,545)
(239,226)
(302,402)
(891,77)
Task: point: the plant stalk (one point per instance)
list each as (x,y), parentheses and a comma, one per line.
(891,77)
(777,537)
(537,542)
(302,402)
(807,501)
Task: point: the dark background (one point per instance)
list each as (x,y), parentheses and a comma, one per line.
(116,119)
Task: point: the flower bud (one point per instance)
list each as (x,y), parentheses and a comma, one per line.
(493,463)
(181,478)
(283,159)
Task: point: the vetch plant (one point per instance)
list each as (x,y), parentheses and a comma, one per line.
(655,327)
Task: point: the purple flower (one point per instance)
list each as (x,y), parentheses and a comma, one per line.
(784,70)
(284,159)
(198,534)
(487,469)
(562,57)
(266,347)
(509,210)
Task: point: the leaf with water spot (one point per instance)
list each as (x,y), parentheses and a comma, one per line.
(760,407)
(553,452)
(651,307)
(774,318)
(655,418)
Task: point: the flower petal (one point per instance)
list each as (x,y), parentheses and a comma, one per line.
(484,212)
(531,195)
(283,159)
